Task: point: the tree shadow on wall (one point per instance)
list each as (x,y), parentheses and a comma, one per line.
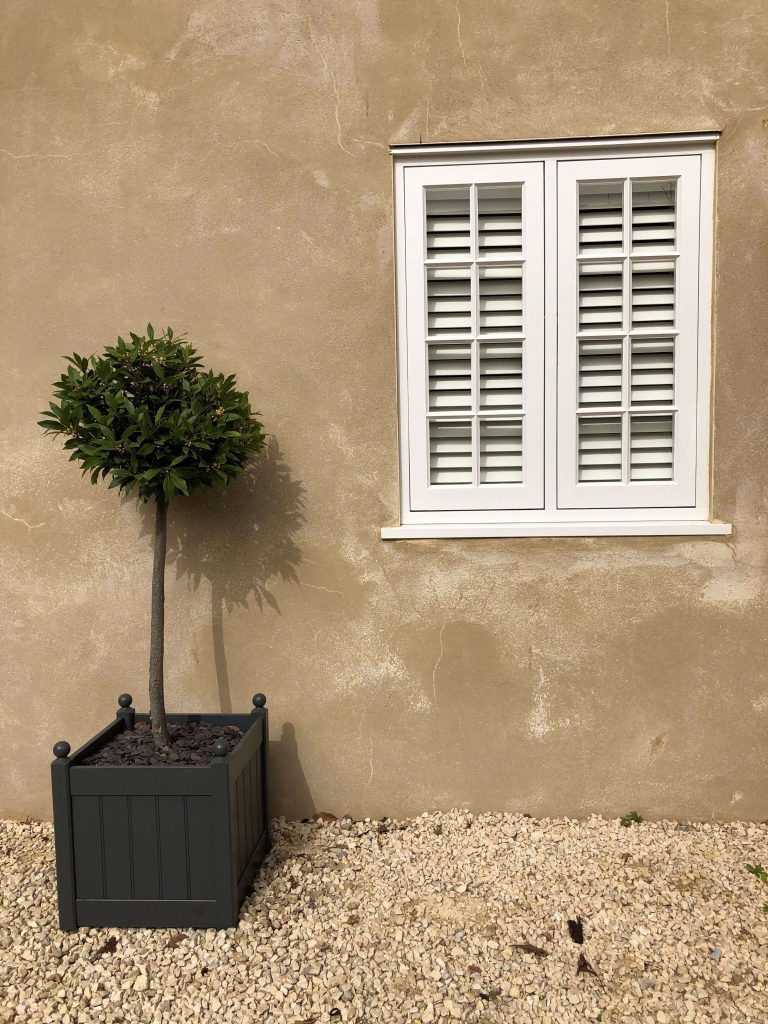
(241,541)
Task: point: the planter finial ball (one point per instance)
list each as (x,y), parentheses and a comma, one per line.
(259,700)
(125,700)
(221,748)
(61,749)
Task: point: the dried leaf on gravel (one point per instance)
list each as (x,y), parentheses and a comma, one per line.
(576,930)
(528,947)
(583,966)
(325,816)
(174,940)
(109,947)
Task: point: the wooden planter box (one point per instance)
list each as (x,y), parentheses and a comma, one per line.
(167,846)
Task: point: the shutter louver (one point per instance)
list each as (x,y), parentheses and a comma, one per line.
(653,214)
(501,376)
(499,220)
(449,301)
(447,222)
(600,373)
(450,452)
(651,452)
(601,206)
(600,296)
(653,294)
(600,449)
(652,379)
(501,299)
(450,378)
(501,451)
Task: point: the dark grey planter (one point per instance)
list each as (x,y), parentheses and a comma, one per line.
(167,846)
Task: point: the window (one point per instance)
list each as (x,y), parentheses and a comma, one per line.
(554,337)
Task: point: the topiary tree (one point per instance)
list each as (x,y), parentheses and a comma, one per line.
(146,415)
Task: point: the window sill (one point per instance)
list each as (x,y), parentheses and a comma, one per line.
(647,528)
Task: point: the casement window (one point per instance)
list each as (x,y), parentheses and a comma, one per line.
(554,337)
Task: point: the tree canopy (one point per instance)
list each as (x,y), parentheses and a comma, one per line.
(149,417)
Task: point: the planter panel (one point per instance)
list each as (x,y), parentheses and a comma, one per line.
(161,846)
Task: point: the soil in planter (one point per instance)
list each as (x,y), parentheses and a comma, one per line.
(192,743)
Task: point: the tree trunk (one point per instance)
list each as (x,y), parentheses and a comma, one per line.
(157,641)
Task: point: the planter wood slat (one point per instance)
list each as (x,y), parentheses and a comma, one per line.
(161,846)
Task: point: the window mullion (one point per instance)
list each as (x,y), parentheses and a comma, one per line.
(626,312)
(474,361)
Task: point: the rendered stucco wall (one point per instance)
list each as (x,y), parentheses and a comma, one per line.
(222,166)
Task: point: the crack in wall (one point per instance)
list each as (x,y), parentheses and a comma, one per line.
(19,519)
(334,88)
(437,664)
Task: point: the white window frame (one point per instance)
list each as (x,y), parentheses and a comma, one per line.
(434,164)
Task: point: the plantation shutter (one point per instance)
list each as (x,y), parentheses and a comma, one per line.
(628,286)
(475,335)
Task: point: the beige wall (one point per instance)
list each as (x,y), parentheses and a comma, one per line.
(222,166)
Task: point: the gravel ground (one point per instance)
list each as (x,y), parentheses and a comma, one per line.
(419,921)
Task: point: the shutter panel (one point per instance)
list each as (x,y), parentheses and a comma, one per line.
(474,283)
(628,281)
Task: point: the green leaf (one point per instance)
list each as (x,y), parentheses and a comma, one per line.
(179,483)
(150,332)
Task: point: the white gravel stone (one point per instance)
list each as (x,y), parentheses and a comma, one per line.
(420,920)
